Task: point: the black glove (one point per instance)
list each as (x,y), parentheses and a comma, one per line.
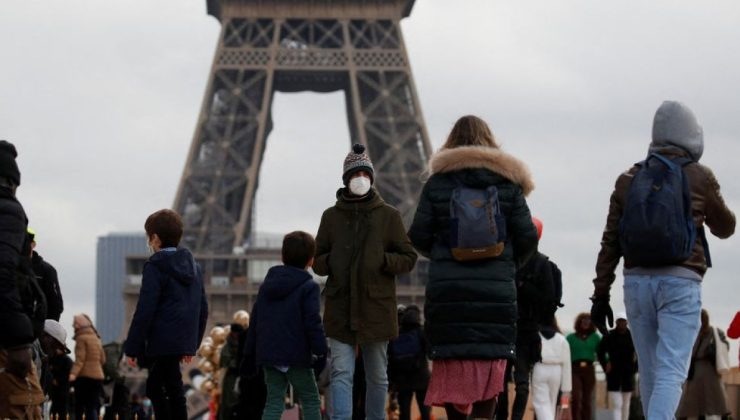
(601,312)
(19,361)
(319,364)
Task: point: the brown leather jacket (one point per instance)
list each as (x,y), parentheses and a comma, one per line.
(89,355)
(708,208)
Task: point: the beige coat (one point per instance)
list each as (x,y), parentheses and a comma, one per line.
(89,355)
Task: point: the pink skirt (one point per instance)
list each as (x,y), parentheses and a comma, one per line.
(463,382)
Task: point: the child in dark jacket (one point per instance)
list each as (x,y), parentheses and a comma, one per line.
(170,317)
(286,335)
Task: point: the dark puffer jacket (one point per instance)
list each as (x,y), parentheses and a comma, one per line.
(17,329)
(470,307)
(285,327)
(172,311)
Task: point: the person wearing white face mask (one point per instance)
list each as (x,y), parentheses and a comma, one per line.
(361,246)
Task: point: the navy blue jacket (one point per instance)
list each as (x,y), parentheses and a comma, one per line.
(171,314)
(285,327)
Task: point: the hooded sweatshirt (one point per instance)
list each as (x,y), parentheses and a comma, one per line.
(675,125)
(676,133)
(285,327)
(172,311)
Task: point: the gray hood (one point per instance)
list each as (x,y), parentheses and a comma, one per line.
(675,125)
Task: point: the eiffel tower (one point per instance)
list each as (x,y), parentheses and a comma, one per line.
(289,46)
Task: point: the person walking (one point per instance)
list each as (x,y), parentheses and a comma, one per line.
(20,391)
(704,392)
(47,278)
(470,306)
(552,375)
(229,361)
(361,246)
(87,371)
(619,361)
(665,252)
(170,316)
(408,366)
(584,343)
(286,336)
(537,285)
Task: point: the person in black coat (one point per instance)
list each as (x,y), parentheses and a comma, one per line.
(170,317)
(536,302)
(470,306)
(618,358)
(409,374)
(17,330)
(46,275)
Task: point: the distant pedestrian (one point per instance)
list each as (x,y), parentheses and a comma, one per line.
(552,375)
(87,371)
(286,335)
(230,360)
(408,366)
(704,392)
(619,361)
(584,343)
(538,295)
(657,214)
(474,251)
(47,278)
(56,366)
(170,316)
(361,246)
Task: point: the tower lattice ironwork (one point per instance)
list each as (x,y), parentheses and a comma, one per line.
(290,46)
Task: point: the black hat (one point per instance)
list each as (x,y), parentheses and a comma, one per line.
(8,167)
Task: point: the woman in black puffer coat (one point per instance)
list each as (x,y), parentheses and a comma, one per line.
(470,306)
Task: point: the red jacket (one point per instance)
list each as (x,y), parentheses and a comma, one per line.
(734,330)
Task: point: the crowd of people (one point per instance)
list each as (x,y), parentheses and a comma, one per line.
(489,316)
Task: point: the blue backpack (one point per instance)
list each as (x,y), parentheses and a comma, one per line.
(657,227)
(405,350)
(477,226)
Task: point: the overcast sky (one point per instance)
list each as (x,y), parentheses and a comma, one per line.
(101,99)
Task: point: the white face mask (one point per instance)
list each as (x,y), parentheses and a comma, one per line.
(359,185)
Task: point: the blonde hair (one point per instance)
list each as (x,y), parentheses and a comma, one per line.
(470,130)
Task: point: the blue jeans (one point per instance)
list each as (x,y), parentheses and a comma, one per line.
(342,364)
(663,314)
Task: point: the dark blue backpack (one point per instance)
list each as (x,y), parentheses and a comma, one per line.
(406,350)
(477,226)
(657,227)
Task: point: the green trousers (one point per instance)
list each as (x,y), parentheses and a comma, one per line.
(304,387)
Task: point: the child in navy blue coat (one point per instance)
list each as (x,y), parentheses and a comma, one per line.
(286,336)
(170,316)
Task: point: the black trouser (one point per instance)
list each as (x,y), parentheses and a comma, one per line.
(59,396)
(87,398)
(164,387)
(404,403)
(522,367)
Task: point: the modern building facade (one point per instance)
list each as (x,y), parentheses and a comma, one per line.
(110,279)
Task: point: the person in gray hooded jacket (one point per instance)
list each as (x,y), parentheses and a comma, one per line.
(663,302)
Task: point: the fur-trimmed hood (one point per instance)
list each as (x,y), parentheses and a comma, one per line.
(493,159)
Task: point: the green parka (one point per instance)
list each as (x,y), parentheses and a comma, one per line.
(470,307)
(362,246)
